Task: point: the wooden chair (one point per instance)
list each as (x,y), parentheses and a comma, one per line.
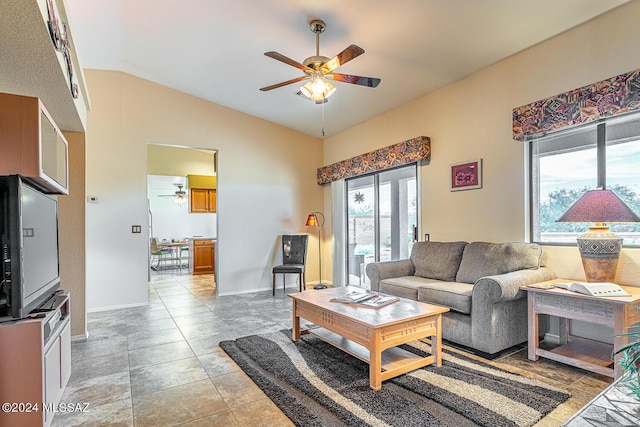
(294,259)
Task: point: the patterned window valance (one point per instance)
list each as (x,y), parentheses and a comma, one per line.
(614,96)
(403,153)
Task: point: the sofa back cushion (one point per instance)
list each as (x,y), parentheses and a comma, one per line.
(437,260)
(482,259)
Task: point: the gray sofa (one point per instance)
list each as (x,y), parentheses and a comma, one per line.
(480,282)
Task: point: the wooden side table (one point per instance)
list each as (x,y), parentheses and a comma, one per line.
(616,312)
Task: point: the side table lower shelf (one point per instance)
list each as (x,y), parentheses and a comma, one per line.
(617,313)
(582,353)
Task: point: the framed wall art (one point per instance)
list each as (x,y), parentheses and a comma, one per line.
(466,175)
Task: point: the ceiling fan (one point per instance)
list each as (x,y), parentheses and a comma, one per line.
(319,69)
(179,195)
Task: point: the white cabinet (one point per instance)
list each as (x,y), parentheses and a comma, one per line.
(35,366)
(57,369)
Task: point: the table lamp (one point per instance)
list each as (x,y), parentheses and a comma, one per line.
(312,221)
(599,247)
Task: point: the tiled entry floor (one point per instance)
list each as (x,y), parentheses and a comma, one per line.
(161,365)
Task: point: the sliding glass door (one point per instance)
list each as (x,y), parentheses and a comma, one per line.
(381,219)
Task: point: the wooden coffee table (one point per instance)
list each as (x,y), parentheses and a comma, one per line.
(372,335)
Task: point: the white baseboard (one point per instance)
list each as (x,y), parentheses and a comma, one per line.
(82,337)
(324,282)
(554,338)
(117,307)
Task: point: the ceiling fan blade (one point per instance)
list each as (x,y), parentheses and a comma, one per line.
(288,82)
(289,61)
(342,58)
(356,80)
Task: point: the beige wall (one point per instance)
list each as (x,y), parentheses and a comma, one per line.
(266,185)
(177,161)
(71,228)
(472,119)
(270,171)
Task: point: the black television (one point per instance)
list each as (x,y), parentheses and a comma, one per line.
(30,249)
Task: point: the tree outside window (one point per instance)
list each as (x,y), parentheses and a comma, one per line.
(564,167)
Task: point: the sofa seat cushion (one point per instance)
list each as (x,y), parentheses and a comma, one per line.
(404,287)
(455,295)
(437,260)
(482,259)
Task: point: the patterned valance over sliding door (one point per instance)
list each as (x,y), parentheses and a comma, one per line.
(611,97)
(400,154)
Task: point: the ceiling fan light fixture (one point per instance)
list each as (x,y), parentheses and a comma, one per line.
(318,86)
(317,90)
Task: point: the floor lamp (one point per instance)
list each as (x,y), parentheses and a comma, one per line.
(312,221)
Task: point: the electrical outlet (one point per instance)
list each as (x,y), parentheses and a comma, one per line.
(136,229)
(426,237)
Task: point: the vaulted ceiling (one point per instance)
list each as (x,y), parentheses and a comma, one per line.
(214,49)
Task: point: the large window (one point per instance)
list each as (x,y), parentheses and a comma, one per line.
(381,219)
(568,163)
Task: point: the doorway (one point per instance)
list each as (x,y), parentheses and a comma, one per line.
(382,219)
(173,223)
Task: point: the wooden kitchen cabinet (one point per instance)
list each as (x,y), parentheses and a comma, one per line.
(202,200)
(202,256)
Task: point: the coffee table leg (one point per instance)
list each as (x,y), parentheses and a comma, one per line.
(375,364)
(436,342)
(296,322)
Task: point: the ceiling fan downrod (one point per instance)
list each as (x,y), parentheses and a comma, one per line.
(317,26)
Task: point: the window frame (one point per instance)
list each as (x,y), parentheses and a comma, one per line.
(601,174)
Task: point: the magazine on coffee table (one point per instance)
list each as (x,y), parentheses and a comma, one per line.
(366,299)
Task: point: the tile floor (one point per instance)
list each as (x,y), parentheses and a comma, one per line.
(160,365)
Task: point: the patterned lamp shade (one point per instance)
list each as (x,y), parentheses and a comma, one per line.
(599,247)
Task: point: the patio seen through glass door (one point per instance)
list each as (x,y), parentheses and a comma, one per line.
(381,219)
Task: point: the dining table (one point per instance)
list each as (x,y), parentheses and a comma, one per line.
(178,246)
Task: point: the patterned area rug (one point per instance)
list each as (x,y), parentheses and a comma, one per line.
(316,384)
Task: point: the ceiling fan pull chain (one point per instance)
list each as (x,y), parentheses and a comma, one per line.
(323,119)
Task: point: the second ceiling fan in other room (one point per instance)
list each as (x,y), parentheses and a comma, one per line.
(179,196)
(319,70)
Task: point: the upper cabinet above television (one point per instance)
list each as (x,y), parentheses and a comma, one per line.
(31,144)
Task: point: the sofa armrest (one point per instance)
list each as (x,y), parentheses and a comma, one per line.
(506,287)
(499,309)
(377,271)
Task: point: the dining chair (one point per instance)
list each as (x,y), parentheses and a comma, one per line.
(158,252)
(294,259)
(184,250)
